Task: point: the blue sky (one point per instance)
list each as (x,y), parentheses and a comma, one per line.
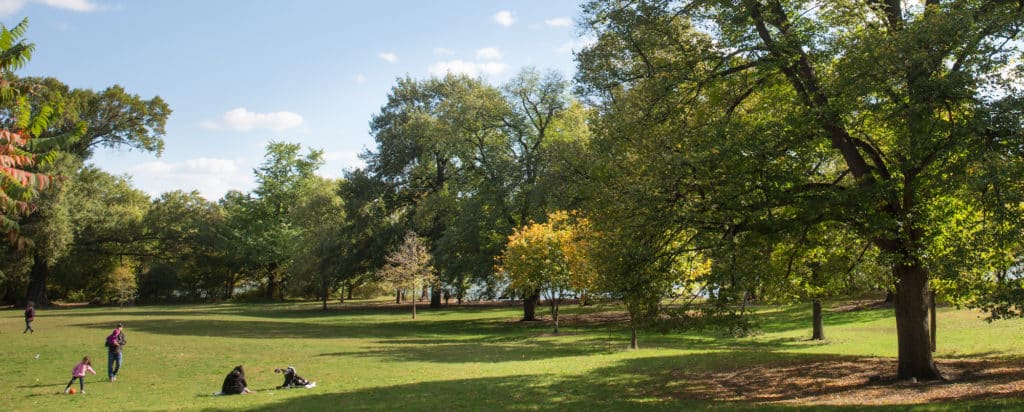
(241,73)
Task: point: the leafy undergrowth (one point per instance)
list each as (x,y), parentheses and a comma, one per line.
(372,356)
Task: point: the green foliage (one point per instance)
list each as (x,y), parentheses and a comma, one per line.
(121,286)
(77,296)
(261,224)
(372,290)
(188,255)
(317,250)
(111,118)
(751,123)
(104,224)
(464,163)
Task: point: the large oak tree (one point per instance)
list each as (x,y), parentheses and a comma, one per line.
(894,119)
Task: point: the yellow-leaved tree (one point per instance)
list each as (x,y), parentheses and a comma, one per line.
(550,257)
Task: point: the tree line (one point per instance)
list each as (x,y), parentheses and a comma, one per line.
(706,153)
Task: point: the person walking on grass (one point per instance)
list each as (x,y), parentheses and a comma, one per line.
(78,372)
(30,315)
(115,351)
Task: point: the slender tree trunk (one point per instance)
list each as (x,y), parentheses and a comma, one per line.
(229,287)
(933,320)
(326,295)
(414,308)
(530,303)
(398,297)
(912,331)
(818,330)
(554,313)
(633,344)
(37,281)
(435,297)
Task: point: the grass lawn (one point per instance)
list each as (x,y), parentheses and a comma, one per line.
(366,357)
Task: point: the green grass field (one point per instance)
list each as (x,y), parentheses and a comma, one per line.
(479,358)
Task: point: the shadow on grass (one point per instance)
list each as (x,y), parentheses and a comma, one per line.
(769,319)
(481,330)
(718,380)
(281,310)
(726,380)
(482,350)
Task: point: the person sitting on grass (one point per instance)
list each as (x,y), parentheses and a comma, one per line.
(292,379)
(234,383)
(78,372)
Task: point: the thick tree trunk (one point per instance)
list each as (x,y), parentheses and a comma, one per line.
(398,297)
(530,302)
(37,281)
(272,283)
(818,330)
(349,292)
(931,317)
(435,297)
(912,331)
(889,297)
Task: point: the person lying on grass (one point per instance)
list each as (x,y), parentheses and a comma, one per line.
(234,383)
(292,379)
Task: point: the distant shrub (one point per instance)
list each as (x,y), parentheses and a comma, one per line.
(77,296)
(372,290)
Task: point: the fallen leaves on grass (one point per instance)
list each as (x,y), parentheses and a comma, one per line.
(854,381)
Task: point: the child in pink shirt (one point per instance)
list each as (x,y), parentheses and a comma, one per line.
(79,373)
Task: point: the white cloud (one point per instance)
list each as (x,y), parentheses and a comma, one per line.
(75,5)
(488,53)
(388,57)
(492,67)
(360,78)
(243,120)
(467,68)
(505,18)
(441,51)
(559,22)
(210,176)
(153,168)
(208,165)
(9,7)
